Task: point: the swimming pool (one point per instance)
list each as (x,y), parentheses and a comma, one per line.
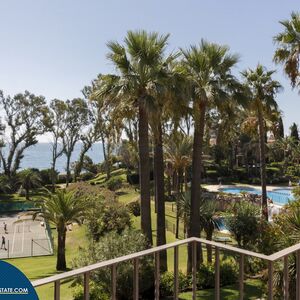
(279,196)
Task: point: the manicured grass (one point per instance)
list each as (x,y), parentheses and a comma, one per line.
(101,177)
(40,267)
(253,290)
(126,195)
(44,266)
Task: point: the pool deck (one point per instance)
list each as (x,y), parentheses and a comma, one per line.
(216,187)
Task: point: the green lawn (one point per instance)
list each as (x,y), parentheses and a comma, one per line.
(40,267)
(253,290)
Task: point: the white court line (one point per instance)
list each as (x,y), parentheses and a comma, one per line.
(13,241)
(23,236)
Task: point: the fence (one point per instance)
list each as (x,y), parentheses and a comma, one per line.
(26,248)
(218,247)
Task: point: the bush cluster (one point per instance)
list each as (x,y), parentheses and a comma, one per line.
(114,183)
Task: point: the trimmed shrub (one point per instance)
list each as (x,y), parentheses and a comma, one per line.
(133,178)
(87,176)
(114,245)
(46,176)
(97,292)
(206,277)
(166,286)
(62,178)
(134,207)
(114,183)
(206,274)
(104,217)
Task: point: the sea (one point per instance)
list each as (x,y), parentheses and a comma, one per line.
(39,156)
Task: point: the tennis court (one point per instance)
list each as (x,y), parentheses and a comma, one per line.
(23,236)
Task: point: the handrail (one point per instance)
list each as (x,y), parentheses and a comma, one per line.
(107,263)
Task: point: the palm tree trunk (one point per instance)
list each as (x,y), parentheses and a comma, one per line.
(194,228)
(27,193)
(262,153)
(61,249)
(209,234)
(177,205)
(160,196)
(185,179)
(144,173)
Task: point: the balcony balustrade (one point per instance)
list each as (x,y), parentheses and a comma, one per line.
(218,248)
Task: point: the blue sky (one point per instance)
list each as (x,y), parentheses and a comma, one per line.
(55,47)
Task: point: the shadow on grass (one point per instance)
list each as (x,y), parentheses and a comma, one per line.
(121,193)
(254,289)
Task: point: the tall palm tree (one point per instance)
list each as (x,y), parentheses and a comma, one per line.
(138,63)
(261,101)
(61,209)
(288,51)
(208,68)
(29,179)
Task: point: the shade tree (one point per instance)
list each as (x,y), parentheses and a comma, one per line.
(25,118)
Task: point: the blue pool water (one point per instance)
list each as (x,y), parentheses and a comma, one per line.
(279,196)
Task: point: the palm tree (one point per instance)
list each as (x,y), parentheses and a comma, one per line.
(61,209)
(207,211)
(178,156)
(138,63)
(208,222)
(286,145)
(287,224)
(29,179)
(261,101)
(288,51)
(208,68)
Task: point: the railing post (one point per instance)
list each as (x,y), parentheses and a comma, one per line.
(298,275)
(57,290)
(114,282)
(270,280)
(86,286)
(136,279)
(217,273)
(8,249)
(286,277)
(157,275)
(194,268)
(31,247)
(176,273)
(241,276)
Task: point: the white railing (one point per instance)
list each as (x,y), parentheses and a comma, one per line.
(85,271)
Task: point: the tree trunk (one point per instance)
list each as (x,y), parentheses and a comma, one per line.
(160,196)
(185,179)
(79,166)
(106,157)
(68,169)
(194,228)
(144,173)
(53,181)
(61,249)
(27,193)
(262,153)
(177,205)
(209,234)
